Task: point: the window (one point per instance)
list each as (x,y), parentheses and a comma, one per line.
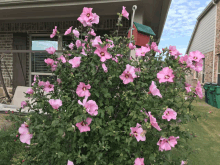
(203,71)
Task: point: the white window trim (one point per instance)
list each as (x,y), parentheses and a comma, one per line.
(30,47)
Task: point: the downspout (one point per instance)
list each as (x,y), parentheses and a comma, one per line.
(213,69)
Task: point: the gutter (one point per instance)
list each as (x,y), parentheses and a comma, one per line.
(213,66)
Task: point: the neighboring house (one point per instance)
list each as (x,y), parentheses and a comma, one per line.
(23,22)
(206,39)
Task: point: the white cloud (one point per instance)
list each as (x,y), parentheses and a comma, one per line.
(182,17)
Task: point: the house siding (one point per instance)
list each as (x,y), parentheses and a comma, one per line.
(204,37)
(7,30)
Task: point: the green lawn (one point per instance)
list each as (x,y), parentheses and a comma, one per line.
(207,131)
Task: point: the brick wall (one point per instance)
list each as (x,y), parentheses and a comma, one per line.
(6,43)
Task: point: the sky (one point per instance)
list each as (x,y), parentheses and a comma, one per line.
(180,23)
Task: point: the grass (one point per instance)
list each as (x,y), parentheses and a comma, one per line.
(206,145)
(207,130)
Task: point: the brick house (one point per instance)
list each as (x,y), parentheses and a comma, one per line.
(205,38)
(23,22)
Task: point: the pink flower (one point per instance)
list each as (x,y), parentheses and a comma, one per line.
(153,122)
(51,50)
(62,58)
(75,62)
(59,80)
(54,32)
(17,135)
(71,45)
(196,56)
(53,67)
(70,162)
(83,52)
(110,45)
(137,132)
(115,59)
(104,68)
(139,161)
(124,12)
(86,38)
(92,32)
(23,103)
(142,51)
(41,83)
(78,43)
(87,18)
(188,89)
(91,107)
(48,87)
(84,101)
(198,90)
(55,103)
(199,65)
(154,91)
(83,127)
(25,136)
(49,61)
(183,58)
(174,52)
(102,53)
(83,90)
(76,33)
(96,41)
(183,162)
(166,144)
(131,46)
(68,31)
(30,91)
(128,75)
(169,114)
(166,75)
(154,47)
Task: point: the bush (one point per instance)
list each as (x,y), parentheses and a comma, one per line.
(94,106)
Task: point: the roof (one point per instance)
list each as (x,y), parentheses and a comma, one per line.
(204,12)
(144,29)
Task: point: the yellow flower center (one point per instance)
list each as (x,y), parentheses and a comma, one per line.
(83,88)
(88,15)
(167,77)
(102,53)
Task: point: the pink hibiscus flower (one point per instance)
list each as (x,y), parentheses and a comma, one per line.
(128,75)
(92,32)
(83,90)
(59,80)
(110,45)
(55,103)
(54,32)
(166,144)
(183,59)
(83,127)
(154,91)
(137,132)
(153,122)
(23,104)
(25,136)
(48,87)
(41,83)
(96,41)
(139,161)
(76,33)
(104,68)
(183,162)
(30,91)
(102,53)
(49,61)
(78,43)
(169,114)
(155,47)
(142,51)
(131,46)
(198,90)
(70,162)
(51,50)
(166,75)
(125,13)
(87,18)
(75,62)
(188,87)
(68,31)
(91,107)
(196,56)
(174,52)
(62,58)
(71,45)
